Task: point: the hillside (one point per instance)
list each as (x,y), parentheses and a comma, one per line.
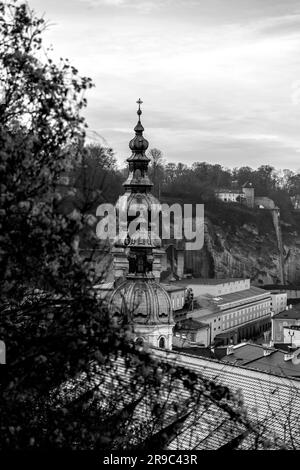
(241,242)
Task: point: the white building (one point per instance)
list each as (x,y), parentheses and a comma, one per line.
(244,195)
(177,295)
(291,335)
(288,318)
(230,195)
(231,308)
(278,302)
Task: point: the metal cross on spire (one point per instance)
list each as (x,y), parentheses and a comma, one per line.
(139,102)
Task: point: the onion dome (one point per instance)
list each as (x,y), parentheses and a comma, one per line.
(141,301)
(138,144)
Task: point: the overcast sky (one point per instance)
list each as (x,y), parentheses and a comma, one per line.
(220,79)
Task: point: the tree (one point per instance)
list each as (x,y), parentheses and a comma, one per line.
(95,178)
(265,180)
(243,175)
(66,385)
(170,170)
(156,169)
(293,184)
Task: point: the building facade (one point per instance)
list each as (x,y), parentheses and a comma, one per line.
(177,295)
(189,332)
(243,195)
(291,335)
(288,318)
(232,317)
(278,302)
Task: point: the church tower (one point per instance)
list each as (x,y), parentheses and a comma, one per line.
(138,194)
(138,298)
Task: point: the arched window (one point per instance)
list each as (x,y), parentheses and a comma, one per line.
(162,343)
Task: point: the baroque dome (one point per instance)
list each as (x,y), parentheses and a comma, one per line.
(139,143)
(141,301)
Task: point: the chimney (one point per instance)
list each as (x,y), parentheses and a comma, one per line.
(267,352)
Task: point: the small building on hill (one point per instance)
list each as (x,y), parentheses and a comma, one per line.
(242,195)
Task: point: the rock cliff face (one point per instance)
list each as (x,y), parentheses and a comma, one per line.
(241,244)
(246,251)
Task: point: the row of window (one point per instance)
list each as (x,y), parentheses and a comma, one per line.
(237,304)
(241,316)
(179,302)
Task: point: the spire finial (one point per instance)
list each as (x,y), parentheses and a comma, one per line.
(139,111)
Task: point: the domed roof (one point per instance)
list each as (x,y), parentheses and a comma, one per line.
(139,143)
(141,301)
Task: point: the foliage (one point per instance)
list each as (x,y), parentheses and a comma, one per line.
(65,385)
(93,179)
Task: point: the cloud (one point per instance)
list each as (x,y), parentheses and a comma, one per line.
(112,3)
(281,25)
(143,6)
(219,80)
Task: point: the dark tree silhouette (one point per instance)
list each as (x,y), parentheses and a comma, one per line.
(73,379)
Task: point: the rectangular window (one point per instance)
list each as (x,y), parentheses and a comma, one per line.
(193,337)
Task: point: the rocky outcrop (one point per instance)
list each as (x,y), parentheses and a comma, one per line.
(248,250)
(245,251)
